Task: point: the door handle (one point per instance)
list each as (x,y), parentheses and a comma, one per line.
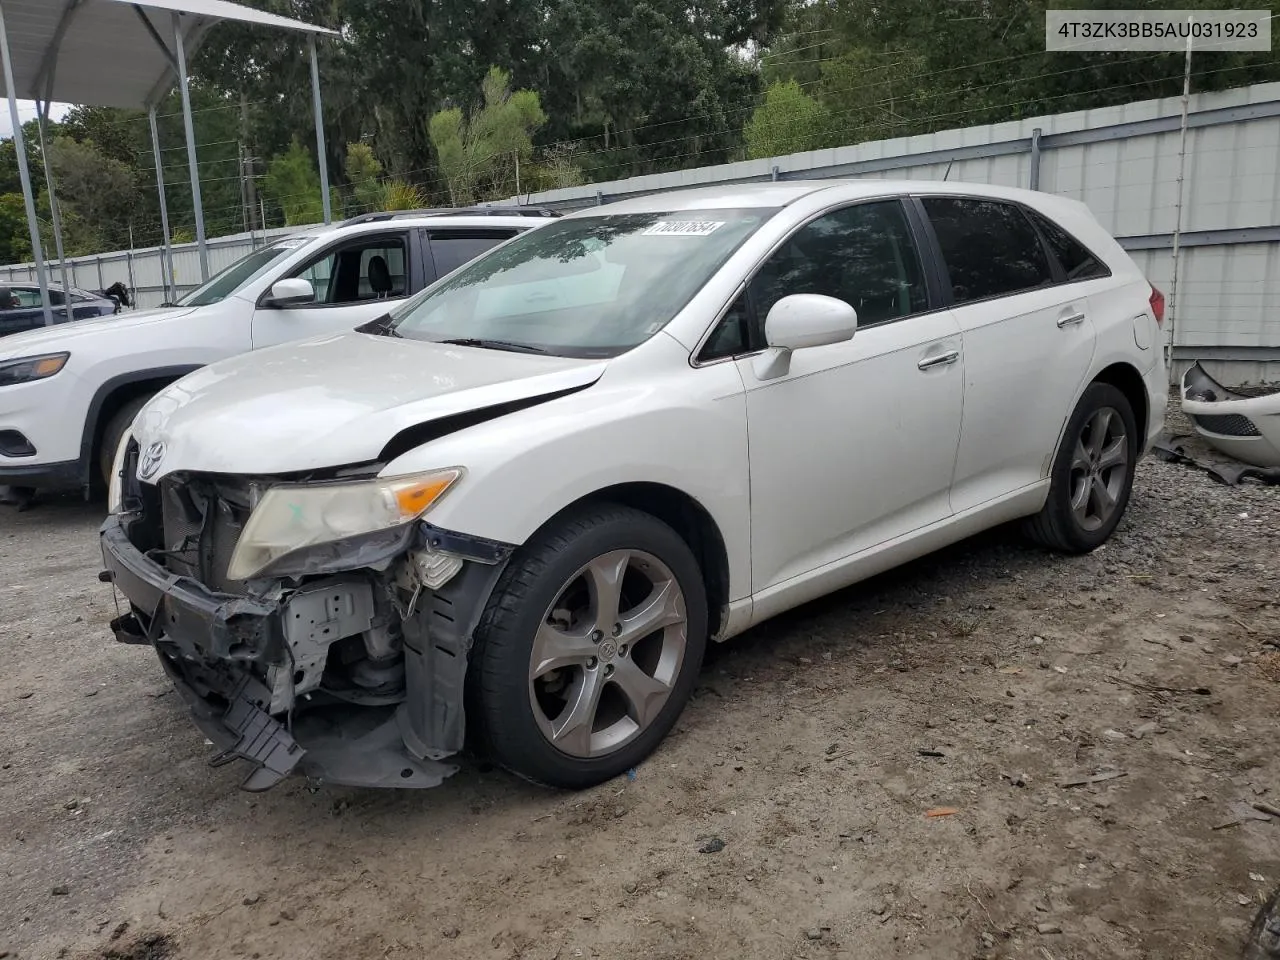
(939,359)
(1069,319)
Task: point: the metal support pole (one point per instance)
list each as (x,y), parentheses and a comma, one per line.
(166,254)
(1034,183)
(24,174)
(1177,224)
(320,151)
(196,203)
(42,119)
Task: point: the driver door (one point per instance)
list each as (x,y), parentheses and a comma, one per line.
(354,281)
(856,443)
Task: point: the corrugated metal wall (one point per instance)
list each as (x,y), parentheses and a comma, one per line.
(1122,161)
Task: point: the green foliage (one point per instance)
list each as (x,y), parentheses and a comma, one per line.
(557,170)
(363,172)
(399,195)
(916,66)
(15,238)
(292,183)
(481,156)
(96,195)
(583,90)
(788,121)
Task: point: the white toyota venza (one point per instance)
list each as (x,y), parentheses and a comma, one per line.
(512,513)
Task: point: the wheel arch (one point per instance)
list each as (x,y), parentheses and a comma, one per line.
(1126,378)
(114,394)
(690,519)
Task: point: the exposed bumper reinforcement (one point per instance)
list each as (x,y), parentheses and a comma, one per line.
(206,641)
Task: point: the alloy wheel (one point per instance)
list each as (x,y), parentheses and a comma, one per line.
(1099,468)
(607,653)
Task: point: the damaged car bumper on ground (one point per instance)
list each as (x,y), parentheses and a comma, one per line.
(353,677)
(1241,426)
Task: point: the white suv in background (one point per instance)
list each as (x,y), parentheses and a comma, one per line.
(515,511)
(67,393)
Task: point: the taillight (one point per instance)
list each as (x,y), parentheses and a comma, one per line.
(1157,305)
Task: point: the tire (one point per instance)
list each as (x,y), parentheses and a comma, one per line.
(113,433)
(548,601)
(1264,936)
(1092,474)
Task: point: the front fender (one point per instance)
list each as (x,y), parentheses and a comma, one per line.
(660,422)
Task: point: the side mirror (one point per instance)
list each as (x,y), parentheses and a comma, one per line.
(799,321)
(292,292)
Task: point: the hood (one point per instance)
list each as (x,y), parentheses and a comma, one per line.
(62,335)
(334,401)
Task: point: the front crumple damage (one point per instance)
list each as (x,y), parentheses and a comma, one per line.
(1243,426)
(353,675)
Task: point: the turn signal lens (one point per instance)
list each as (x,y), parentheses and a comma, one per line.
(26,369)
(413,498)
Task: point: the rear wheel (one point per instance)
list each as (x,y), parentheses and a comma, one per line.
(113,433)
(1092,474)
(589,648)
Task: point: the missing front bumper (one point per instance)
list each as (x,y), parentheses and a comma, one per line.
(214,646)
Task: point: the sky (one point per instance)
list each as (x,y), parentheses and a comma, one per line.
(27,111)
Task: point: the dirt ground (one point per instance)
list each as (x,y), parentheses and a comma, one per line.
(984,680)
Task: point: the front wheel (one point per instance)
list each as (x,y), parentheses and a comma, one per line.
(113,433)
(588,649)
(1092,473)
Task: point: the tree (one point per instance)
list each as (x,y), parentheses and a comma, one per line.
(916,66)
(15,237)
(96,195)
(363,171)
(652,84)
(788,121)
(481,156)
(293,184)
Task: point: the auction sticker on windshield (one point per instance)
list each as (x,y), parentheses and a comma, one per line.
(684,228)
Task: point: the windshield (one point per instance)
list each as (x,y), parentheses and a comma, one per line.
(580,287)
(247,268)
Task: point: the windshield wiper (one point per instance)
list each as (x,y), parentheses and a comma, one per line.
(493,344)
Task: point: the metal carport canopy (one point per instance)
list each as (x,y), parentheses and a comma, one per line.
(121,53)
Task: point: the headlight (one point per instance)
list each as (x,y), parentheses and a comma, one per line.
(115,489)
(295,516)
(25,369)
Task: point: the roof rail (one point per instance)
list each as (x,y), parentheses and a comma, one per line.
(507,211)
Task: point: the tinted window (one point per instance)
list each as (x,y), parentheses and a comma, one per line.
(30,297)
(1077,262)
(451,251)
(990,248)
(862,255)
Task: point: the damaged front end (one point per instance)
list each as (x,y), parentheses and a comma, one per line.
(1242,425)
(344,661)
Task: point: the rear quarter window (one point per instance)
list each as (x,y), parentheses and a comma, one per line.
(1073,256)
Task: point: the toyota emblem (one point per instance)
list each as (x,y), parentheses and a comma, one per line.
(151,460)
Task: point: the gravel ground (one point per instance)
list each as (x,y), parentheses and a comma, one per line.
(974,685)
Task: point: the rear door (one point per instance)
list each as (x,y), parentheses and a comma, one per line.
(1028,343)
(355,280)
(445,249)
